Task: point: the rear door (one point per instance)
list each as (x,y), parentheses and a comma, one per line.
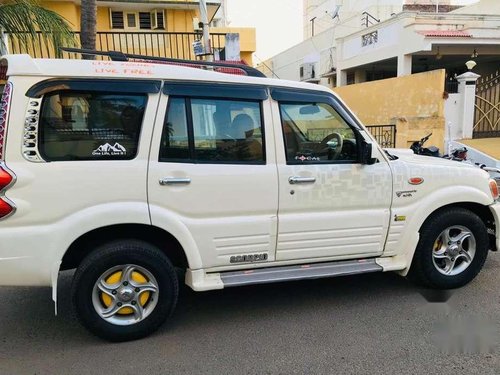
(212,175)
(331,205)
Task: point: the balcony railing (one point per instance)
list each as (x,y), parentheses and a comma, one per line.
(384,134)
(160,44)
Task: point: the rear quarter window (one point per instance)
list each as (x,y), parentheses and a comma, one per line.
(90,125)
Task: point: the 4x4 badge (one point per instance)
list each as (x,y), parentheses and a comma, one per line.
(108,150)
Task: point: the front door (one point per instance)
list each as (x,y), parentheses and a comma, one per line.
(331,205)
(211,181)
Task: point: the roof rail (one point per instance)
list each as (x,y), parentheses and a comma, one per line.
(120,56)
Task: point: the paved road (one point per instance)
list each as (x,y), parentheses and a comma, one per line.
(369,324)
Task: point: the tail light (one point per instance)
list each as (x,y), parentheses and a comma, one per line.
(5,208)
(6,179)
(4,113)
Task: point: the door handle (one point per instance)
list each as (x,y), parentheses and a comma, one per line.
(174,181)
(301,180)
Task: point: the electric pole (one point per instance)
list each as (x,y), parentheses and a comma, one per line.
(206,31)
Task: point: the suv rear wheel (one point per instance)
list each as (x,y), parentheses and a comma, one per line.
(452,249)
(124,290)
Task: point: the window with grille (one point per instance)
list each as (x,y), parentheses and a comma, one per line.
(148,20)
(117,20)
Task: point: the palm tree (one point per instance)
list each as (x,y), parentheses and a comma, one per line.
(24,18)
(88,26)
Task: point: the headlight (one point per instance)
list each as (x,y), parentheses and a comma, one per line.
(494,189)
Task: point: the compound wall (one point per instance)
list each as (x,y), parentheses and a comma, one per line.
(414,103)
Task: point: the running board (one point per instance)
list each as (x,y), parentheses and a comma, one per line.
(299,272)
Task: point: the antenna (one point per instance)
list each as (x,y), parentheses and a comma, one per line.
(335,12)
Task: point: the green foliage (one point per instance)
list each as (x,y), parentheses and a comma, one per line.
(24,18)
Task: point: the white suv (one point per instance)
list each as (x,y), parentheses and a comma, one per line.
(125,170)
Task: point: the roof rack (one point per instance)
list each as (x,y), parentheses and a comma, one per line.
(223,67)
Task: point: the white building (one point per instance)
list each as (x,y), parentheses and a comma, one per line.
(364,40)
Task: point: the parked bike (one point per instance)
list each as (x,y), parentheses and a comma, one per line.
(458,154)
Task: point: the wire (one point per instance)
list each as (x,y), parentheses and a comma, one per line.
(267,66)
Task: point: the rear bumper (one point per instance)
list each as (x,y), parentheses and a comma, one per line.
(495,209)
(26,257)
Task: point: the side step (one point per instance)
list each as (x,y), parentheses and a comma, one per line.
(299,272)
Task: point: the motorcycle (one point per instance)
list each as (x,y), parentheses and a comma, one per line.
(458,154)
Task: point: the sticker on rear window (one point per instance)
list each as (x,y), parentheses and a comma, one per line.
(109,150)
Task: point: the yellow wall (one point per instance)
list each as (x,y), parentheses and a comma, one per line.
(67,9)
(414,103)
(176,21)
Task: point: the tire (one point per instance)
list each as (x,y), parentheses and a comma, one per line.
(124,290)
(434,256)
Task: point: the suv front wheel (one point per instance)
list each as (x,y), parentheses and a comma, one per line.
(452,249)
(124,290)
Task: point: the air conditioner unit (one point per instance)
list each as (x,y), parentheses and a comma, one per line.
(307,71)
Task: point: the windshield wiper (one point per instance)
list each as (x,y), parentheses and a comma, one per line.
(391,156)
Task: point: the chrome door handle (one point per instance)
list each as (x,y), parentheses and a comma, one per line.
(301,180)
(174,181)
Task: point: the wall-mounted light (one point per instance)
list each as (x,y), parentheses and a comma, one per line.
(438,55)
(474,54)
(470,64)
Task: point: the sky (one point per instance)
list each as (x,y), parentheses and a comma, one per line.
(278,23)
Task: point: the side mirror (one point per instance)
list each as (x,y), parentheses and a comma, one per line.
(366,153)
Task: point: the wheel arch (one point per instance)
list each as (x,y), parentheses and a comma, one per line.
(420,270)
(479,209)
(162,239)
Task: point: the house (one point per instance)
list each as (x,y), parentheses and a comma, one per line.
(401,65)
(164,28)
(353,41)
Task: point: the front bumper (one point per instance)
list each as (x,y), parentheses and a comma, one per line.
(495,209)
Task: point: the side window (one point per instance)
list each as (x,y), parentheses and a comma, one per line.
(90,125)
(175,141)
(316,133)
(220,131)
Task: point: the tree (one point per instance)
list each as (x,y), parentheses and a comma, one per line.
(24,18)
(88,26)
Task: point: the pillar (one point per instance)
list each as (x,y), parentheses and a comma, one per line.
(404,65)
(467,92)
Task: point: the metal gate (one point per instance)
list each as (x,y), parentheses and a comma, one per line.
(487,107)
(384,134)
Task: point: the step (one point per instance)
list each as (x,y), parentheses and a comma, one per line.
(299,272)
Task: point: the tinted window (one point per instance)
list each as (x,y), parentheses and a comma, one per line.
(175,142)
(90,126)
(221,131)
(316,133)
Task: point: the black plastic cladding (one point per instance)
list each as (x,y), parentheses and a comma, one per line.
(217,90)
